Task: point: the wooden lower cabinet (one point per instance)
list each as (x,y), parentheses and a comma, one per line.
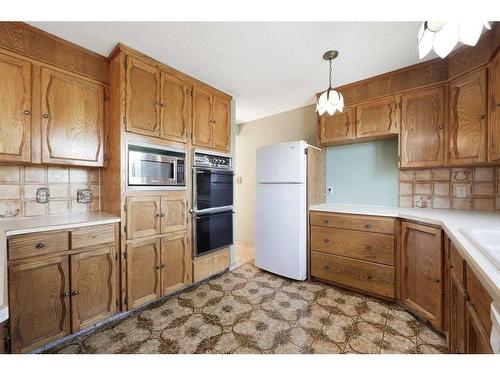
(477,338)
(177,267)
(4,334)
(421,271)
(458,300)
(39,302)
(211,264)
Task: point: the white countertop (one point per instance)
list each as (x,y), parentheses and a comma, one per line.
(10,227)
(452,221)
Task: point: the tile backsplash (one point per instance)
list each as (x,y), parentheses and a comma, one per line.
(475,188)
(18,186)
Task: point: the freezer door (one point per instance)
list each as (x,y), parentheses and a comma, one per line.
(281,163)
(280,238)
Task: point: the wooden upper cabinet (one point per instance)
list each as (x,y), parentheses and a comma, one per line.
(72,120)
(176,263)
(221,123)
(142,103)
(173,213)
(377,118)
(175,103)
(93,286)
(468,119)
(421,275)
(39,302)
(494,112)
(202,118)
(337,128)
(143,216)
(143,272)
(421,137)
(15,115)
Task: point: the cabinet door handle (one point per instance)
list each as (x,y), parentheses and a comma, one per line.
(45,115)
(327,268)
(27,112)
(75,293)
(480,117)
(158,266)
(369,248)
(327,240)
(40,245)
(162,215)
(163,265)
(158,215)
(437,280)
(162,104)
(441,126)
(65,294)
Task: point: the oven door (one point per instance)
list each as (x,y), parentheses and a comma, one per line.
(213,188)
(213,231)
(151,170)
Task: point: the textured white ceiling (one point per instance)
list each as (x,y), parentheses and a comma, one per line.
(269,67)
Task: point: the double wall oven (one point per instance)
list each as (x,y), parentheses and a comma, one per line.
(212,202)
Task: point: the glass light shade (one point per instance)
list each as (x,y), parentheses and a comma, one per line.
(425,39)
(330,101)
(471,31)
(446,39)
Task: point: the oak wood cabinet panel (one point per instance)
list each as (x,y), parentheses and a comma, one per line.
(421,271)
(337,128)
(494,110)
(4,333)
(202,118)
(458,299)
(72,119)
(211,264)
(39,302)
(36,244)
(377,118)
(479,298)
(15,116)
(173,213)
(421,137)
(143,272)
(143,216)
(176,263)
(91,236)
(468,119)
(142,92)
(93,286)
(477,339)
(175,100)
(221,123)
(356,222)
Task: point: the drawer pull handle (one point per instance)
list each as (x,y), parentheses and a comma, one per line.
(368,226)
(369,248)
(326,221)
(437,280)
(480,117)
(158,215)
(327,268)
(327,240)
(65,294)
(75,293)
(40,245)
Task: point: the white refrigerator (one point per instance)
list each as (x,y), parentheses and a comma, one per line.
(281,209)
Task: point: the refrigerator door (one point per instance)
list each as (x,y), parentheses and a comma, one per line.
(280,238)
(281,163)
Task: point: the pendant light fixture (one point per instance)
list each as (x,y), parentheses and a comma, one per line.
(444,36)
(330,101)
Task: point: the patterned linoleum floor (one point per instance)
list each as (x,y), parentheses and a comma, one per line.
(251,311)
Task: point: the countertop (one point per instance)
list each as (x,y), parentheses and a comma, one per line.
(10,227)
(451,221)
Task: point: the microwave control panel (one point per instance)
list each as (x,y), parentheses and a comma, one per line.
(213,161)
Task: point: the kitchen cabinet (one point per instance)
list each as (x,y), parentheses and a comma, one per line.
(468,119)
(142,97)
(72,120)
(4,334)
(177,265)
(421,271)
(494,110)
(337,128)
(477,339)
(15,116)
(422,133)
(211,120)
(457,298)
(175,106)
(377,119)
(149,216)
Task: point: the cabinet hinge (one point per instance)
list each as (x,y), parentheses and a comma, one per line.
(125,64)
(125,301)
(125,120)
(125,207)
(124,229)
(125,254)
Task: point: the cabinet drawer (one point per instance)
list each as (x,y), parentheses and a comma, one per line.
(373,247)
(358,274)
(357,222)
(479,298)
(90,236)
(457,263)
(29,245)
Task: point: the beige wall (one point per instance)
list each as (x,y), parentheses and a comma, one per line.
(288,126)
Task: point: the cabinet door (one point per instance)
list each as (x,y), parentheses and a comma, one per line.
(202,118)
(421,137)
(377,119)
(15,115)
(143,269)
(93,286)
(457,315)
(221,124)
(72,120)
(142,103)
(467,130)
(477,339)
(421,283)
(174,107)
(494,112)
(173,213)
(336,128)
(39,302)
(143,216)
(176,263)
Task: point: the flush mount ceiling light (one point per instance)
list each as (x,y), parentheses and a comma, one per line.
(444,36)
(330,101)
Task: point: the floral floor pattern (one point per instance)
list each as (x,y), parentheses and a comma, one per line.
(251,311)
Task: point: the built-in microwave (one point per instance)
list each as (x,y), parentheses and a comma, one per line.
(149,166)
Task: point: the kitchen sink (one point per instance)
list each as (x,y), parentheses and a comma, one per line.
(488,241)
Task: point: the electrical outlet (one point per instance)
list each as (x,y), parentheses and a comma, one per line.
(329,190)
(461,191)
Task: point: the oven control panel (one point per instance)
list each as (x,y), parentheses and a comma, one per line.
(211,160)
